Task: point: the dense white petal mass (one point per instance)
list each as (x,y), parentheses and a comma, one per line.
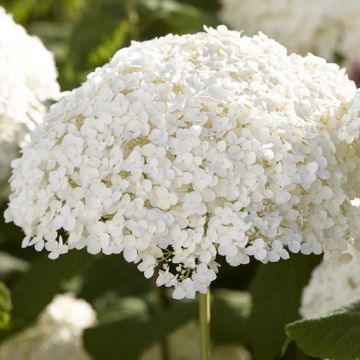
(183,149)
(331,287)
(27,80)
(328,28)
(57,335)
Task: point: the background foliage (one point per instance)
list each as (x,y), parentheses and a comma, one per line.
(251,304)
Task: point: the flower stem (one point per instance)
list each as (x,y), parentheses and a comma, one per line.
(204,325)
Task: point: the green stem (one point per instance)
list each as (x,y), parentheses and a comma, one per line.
(204,325)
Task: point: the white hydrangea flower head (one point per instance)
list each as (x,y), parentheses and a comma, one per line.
(183,149)
(27,79)
(328,28)
(57,334)
(331,287)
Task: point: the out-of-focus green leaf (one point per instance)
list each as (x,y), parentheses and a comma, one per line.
(36,288)
(10,264)
(5,306)
(169,16)
(101,30)
(110,278)
(276,294)
(235,277)
(230,310)
(106,49)
(128,332)
(335,336)
(125,308)
(208,5)
(25,11)
(293,352)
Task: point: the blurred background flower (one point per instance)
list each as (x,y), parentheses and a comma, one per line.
(327,28)
(27,81)
(331,287)
(56,335)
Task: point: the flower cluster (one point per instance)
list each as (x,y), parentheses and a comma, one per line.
(186,148)
(326,28)
(331,287)
(27,80)
(57,334)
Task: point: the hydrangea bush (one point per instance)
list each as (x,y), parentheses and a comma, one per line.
(27,81)
(184,149)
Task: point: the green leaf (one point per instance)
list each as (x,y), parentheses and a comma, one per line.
(108,279)
(230,310)
(293,352)
(185,18)
(169,16)
(276,294)
(29,10)
(132,328)
(107,48)
(5,306)
(23,10)
(125,308)
(102,29)
(40,284)
(335,336)
(208,5)
(10,264)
